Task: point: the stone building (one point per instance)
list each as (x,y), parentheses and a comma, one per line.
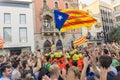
(103,12)
(45,30)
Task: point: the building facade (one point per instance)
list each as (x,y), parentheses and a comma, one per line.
(104,15)
(16,25)
(116,8)
(45,30)
(107,19)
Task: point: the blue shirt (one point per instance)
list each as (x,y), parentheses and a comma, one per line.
(0,75)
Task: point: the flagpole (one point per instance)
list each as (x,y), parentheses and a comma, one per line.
(60,37)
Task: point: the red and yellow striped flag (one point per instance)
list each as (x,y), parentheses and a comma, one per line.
(1,42)
(77,19)
(80,41)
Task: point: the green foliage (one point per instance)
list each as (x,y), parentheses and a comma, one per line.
(114,34)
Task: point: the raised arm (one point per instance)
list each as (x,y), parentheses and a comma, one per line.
(37,68)
(83,74)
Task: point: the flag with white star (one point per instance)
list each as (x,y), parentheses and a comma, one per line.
(60,18)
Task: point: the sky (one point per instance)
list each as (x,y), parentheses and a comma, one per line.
(90,1)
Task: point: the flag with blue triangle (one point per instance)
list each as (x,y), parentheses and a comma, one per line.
(60,18)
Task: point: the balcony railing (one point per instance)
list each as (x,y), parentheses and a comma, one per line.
(116,2)
(118,23)
(117,12)
(95,38)
(50,30)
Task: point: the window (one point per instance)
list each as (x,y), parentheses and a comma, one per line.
(7,34)
(101,11)
(22,18)
(46,23)
(23,34)
(44,3)
(56,5)
(118,18)
(66,5)
(117,8)
(7,18)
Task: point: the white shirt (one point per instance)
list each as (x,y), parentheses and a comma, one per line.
(113,69)
(15,73)
(4,78)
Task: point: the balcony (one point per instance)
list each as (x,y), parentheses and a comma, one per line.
(93,38)
(118,23)
(117,12)
(116,2)
(50,30)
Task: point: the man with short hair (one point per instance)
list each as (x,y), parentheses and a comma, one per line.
(54,72)
(6,72)
(16,72)
(105,62)
(113,69)
(105,52)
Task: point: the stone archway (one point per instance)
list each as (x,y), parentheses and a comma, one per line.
(59,45)
(72,45)
(47,46)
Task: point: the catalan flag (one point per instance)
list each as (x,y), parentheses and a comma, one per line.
(75,19)
(81,41)
(60,19)
(1,42)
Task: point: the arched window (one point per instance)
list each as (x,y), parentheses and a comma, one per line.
(66,5)
(59,45)
(72,45)
(44,3)
(56,4)
(47,46)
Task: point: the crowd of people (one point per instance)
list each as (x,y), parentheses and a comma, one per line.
(95,62)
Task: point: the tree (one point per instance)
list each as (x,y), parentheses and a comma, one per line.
(114,34)
(117,34)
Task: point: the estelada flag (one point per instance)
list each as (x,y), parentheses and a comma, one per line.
(1,42)
(60,19)
(67,19)
(82,40)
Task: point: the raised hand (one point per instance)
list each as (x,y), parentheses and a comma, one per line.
(45,77)
(86,61)
(63,75)
(103,74)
